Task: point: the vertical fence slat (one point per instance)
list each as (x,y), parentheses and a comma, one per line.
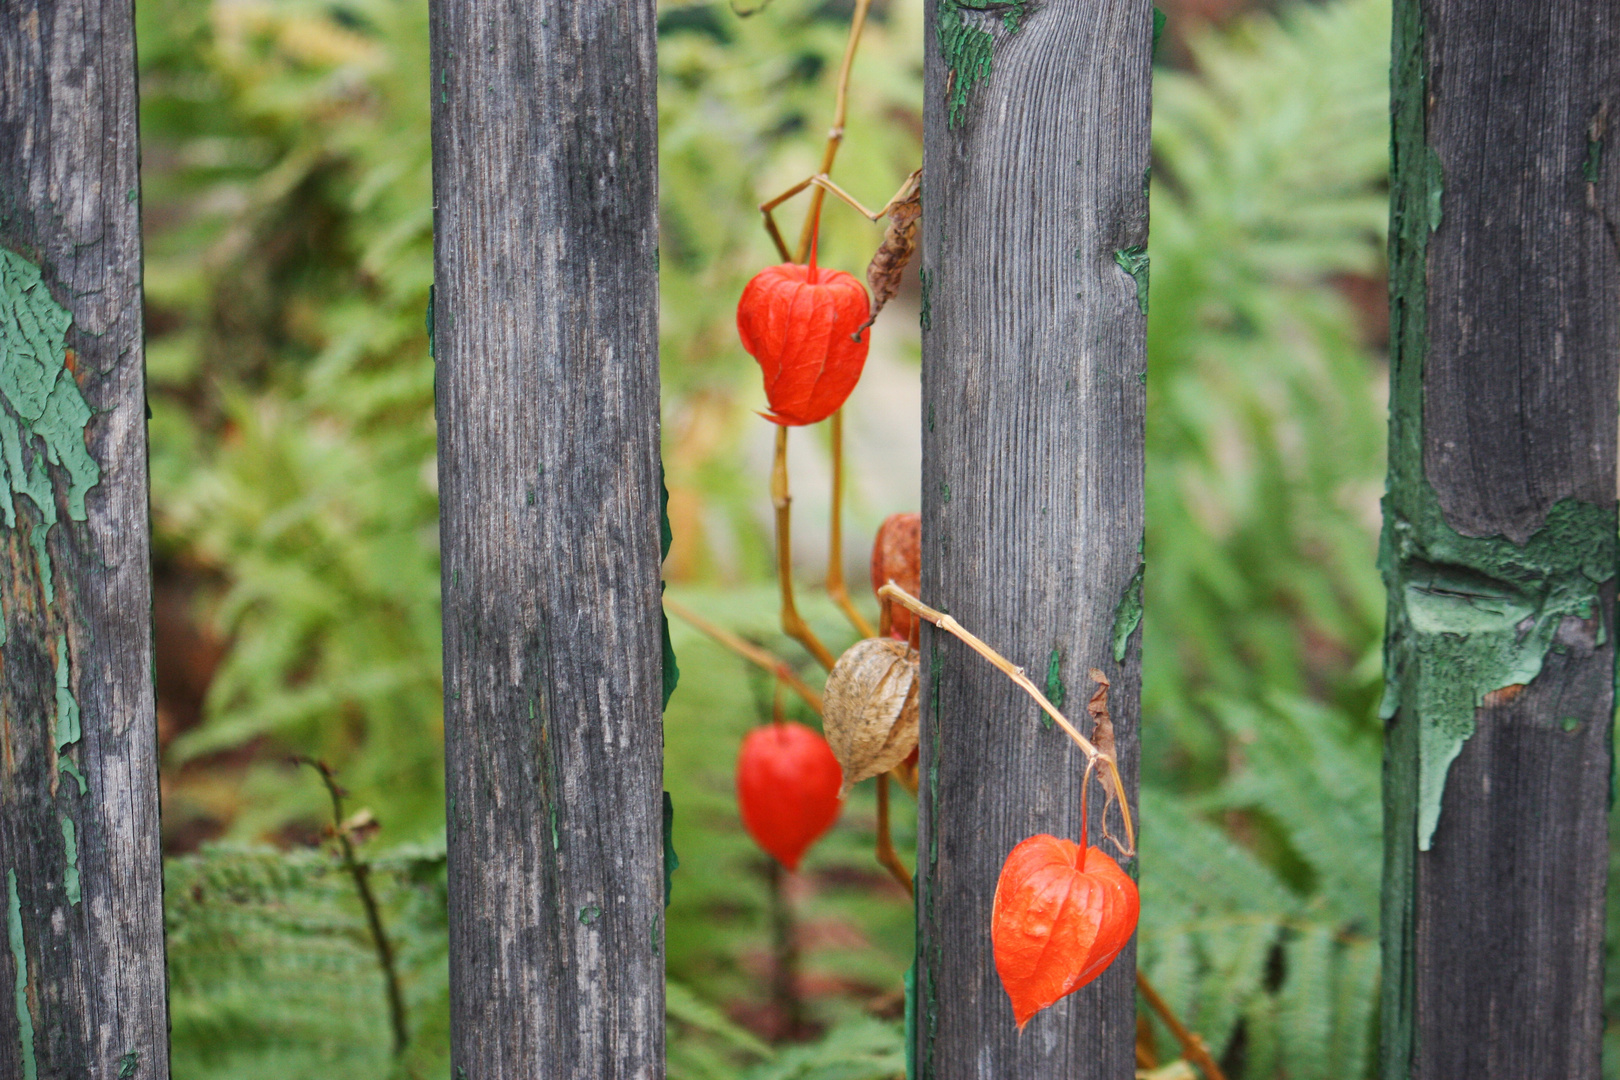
(1499,543)
(1035,174)
(80,869)
(545,332)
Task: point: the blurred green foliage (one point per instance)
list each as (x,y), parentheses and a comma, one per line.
(288,208)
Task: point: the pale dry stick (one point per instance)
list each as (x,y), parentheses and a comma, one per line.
(823,182)
(885,842)
(747,650)
(1192,1045)
(895,593)
(835,137)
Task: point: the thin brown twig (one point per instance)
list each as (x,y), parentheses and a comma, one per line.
(1016,674)
(361,872)
(747,650)
(835,535)
(793,624)
(1192,1045)
(885,840)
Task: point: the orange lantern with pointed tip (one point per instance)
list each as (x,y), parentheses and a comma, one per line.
(1060,917)
(787,789)
(800,323)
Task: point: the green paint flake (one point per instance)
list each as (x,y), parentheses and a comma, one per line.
(19,959)
(1469,615)
(1134,261)
(66,765)
(1159,20)
(128,1064)
(1437,190)
(967,49)
(431,354)
(42,413)
(1056,692)
(1128,613)
(68,728)
(672,861)
(926,279)
(1570,723)
(70,853)
(589,914)
(1592,167)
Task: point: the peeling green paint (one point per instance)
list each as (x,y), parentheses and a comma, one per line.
(66,765)
(1592,167)
(1128,613)
(1134,261)
(926,279)
(967,49)
(1159,20)
(68,728)
(431,354)
(128,1064)
(70,854)
(945,492)
(1437,190)
(1056,692)
(1470,615)
(589,914)
(672,861)
(41,409)
(19,958)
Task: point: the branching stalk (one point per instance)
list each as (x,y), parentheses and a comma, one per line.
(1192,1045)
(361,873)
(1112,778)
(793,624)
(754,654)
(885,840)
(835,534)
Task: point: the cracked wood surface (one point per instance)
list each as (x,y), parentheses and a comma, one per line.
(1034,357)
(546,308)
(80,873)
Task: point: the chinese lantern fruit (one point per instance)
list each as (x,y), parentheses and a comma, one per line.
(897,557)
(1059,919)
(870,710)
(787,789)
(799,322)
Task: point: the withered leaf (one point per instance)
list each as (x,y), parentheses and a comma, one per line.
(1102,734)
(887,267)
(869,708)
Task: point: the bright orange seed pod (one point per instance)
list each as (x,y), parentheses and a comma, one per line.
(787,789)
(1057,923)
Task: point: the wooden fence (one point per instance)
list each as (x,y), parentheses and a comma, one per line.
(1499,542)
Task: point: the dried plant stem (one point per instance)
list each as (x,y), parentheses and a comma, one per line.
(835,534)
(747,650)
(835,137)
(885,839)
(793,624)
(1112,777)
(1192,1045)
(361,873)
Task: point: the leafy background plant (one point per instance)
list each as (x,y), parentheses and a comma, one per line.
(287,202)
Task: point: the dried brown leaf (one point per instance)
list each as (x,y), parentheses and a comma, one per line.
(887,267)
(1103,733)
(870,708)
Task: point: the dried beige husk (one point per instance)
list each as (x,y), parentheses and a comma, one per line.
(870,708)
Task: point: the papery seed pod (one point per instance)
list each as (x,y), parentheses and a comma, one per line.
(897,557)
(1059,919)
(787,789)
(799,322)
(869,708)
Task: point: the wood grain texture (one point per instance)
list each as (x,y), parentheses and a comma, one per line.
(1033,369)
(544,161)
(1506,357)
(77,621)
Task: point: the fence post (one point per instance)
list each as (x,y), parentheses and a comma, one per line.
(545,326)
(1499,537)
(79,846)
(1034,299)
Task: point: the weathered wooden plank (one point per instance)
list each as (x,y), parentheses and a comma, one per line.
(1035,288)
(1499,543)
(79,855)
(545,159)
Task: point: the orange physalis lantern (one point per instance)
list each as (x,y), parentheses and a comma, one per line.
(897,557)
(1057,921)
(800,323)
(787,789)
